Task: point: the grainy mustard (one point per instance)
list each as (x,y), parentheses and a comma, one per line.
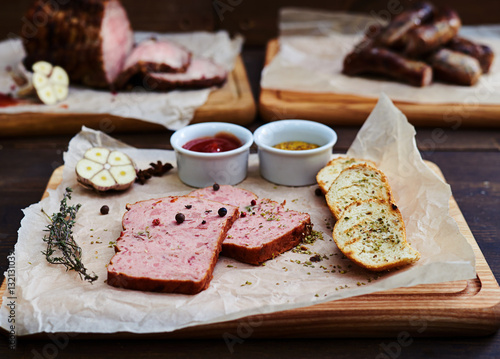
(295,146)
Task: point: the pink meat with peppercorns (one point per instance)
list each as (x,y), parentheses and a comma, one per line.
(170,244)
(265,228)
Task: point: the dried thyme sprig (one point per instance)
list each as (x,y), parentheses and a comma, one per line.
(60,239)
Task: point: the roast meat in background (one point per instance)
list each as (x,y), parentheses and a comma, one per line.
(94,42)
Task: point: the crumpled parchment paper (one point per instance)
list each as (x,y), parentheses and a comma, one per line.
(313,45)
(173,110)
(52,300)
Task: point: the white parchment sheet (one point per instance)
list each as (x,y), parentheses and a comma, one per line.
(313,45)
(52,300)
(173,110)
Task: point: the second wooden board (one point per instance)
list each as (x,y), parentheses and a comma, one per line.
(343,109)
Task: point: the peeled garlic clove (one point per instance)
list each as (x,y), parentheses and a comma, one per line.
(123,175)
(47,95)
(103,181)
(117,158)
(39,81)
(59,76)
(61,92)
(97,154)
(42,67)
(87,169)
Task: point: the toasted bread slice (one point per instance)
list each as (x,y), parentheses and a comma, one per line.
(372,234)
(330,172)
(357,183)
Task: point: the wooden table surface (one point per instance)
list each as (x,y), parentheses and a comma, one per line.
(469,159)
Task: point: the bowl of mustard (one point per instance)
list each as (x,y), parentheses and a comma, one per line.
(291,152)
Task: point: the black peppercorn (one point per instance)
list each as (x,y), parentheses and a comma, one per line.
(203,222)
(318,192)
(188,206)
(179,218)
(104,209)
(222,212)
(216,186)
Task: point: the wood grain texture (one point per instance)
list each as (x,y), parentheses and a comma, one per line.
(233,102)
(459,308)
(342,109)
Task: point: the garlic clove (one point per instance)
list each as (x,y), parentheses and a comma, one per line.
(61,92)
(86,169)
(59,76)
(117,158)
(42,67)
(47,95)
(39,81)
(123,175)
(97,154)
(103,181)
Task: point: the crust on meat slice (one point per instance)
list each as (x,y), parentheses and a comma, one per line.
(357,183)
(330,172)
(372,234)
(266,230)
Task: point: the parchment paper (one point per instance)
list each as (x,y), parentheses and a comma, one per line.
(52,300)
(313,45)
(172,109)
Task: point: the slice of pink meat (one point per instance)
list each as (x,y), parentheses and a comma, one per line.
(154,56)
(200,73)
(265,228)
(157,253)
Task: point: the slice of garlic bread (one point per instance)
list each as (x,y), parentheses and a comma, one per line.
(357,183)
(329,173)
(372,234)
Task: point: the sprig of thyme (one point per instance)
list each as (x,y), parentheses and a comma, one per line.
(61,247)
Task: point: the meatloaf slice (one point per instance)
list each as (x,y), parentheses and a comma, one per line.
(265,228)
(162,251)
(154,56)
(200,73)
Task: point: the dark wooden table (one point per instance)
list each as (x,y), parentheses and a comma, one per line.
(469,159)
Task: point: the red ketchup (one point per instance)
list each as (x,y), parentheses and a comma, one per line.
(7,100)
(221,142)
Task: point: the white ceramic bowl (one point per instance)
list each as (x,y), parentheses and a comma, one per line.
(293,168)
(198,169)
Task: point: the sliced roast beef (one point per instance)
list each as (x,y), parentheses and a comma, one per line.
(154,56)
(265,228)
(90,39)
(200,73)
(170,244)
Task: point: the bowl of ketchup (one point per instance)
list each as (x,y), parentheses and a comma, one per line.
(212,152)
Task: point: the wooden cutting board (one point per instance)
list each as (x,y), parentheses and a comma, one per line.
(233,103)
(343,109)
(459,308)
